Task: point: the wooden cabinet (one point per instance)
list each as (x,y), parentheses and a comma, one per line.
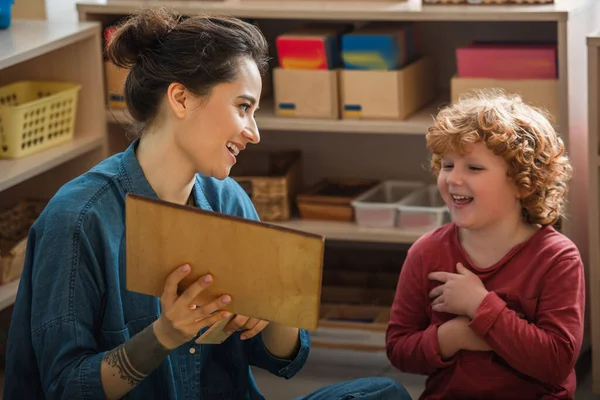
(70,52)
(593,43)
(395,149)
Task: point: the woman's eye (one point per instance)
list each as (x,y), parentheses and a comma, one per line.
(245,107)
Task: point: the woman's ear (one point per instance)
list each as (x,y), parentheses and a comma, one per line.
(177,96)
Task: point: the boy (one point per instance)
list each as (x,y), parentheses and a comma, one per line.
(491,306)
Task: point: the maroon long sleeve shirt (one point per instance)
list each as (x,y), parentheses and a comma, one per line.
(532,319)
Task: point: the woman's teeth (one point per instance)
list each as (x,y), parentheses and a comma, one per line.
(233,148)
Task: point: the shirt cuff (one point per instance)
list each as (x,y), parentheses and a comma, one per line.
(487,313)
(282,367)
(91,378)
(431,348)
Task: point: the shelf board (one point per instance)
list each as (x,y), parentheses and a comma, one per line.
(411,10)
(594,40)
(417,124)
(27,39)
(15,171)
(8,294)
(349,231)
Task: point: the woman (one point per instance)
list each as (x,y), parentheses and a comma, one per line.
(193,88)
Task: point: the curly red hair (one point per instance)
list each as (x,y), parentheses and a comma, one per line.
(522,134)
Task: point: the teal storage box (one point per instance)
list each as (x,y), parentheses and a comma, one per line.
(5,13)
(381,46)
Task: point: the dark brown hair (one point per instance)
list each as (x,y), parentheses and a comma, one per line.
(200,52)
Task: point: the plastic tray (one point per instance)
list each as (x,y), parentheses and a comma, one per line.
(378,208)
(423,210)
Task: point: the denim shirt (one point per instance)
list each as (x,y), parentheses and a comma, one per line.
(72,305)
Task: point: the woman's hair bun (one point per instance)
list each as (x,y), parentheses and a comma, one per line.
(138,34)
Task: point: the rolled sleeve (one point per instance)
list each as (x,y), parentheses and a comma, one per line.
(66,351)
(488,312)
(260,357)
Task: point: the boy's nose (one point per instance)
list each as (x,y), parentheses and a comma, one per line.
(454,178)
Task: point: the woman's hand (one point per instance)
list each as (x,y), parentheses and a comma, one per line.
(181,319)
(251,326)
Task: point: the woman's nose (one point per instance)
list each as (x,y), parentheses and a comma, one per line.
(251,133)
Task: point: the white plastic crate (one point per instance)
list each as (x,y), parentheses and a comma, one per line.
(378,208)
(423,210)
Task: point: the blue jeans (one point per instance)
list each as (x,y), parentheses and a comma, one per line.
(377,388)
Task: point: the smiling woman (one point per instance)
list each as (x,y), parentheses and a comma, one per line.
(77,332)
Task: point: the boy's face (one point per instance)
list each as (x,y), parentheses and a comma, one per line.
(477,189)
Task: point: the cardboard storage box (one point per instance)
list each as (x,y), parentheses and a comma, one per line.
(387,94)
(115,79)
(537,92)
(306,93)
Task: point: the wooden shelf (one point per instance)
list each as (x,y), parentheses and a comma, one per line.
(410,10)
(8,294)
(29,39)
(350,231)
(14,171)
(266,119)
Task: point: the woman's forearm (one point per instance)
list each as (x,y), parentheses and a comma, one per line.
(128,364)
(281,341)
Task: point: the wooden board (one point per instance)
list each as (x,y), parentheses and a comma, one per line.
(271,273)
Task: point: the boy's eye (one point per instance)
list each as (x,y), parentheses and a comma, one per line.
(474,168)
(447,166)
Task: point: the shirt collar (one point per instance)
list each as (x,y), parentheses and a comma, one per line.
(134,175)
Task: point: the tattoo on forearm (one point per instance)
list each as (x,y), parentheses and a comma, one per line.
(118,359)
(138,357)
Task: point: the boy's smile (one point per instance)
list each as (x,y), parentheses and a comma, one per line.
(476,188)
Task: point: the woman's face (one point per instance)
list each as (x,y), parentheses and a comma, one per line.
(215,128)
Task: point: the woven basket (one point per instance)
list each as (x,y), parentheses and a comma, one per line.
(14,227)
(272,179)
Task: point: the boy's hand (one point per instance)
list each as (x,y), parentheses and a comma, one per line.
(460,294)
(455,335)
(470,340)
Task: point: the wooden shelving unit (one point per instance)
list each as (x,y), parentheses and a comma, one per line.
(396,149)
(41,50)
(351,232)
(266,119)
(593,43)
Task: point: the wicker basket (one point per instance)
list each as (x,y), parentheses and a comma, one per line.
(272,179)
(14,227)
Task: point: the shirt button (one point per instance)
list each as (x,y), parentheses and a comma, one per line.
(192,350)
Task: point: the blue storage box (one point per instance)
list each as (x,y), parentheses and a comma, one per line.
(381,46)
(5,13)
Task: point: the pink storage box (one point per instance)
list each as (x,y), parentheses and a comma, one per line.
(507,61)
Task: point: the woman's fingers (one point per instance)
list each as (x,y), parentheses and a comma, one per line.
(255,330)
(172,283)
(210,308)
(236,324)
